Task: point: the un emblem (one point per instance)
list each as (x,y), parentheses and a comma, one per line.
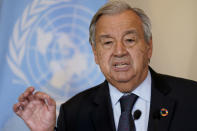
(49,49)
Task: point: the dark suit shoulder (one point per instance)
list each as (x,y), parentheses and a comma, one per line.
(79,109)
(176,87)
(177,82)
(82,97)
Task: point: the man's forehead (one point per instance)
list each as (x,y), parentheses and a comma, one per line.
(125,23)
(129,13)
(127,17)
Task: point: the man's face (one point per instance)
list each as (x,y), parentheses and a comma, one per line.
(121,50)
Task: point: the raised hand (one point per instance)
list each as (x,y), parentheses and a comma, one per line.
(38,110)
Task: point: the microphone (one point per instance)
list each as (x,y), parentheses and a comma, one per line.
(137,114)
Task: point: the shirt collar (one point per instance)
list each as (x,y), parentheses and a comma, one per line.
(143,91)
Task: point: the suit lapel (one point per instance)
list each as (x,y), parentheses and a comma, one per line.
(102,114)
(160,121)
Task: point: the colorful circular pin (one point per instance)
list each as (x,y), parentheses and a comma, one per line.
(164,112)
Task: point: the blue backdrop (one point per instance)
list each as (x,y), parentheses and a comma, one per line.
(44,43)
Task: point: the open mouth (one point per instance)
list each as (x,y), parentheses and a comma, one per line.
(121,66)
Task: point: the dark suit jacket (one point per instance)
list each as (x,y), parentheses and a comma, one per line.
(91,110)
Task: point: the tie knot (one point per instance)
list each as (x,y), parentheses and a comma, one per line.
(127,102)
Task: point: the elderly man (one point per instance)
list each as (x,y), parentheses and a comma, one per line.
(133,97)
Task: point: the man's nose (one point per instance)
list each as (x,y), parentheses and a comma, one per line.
(120,49)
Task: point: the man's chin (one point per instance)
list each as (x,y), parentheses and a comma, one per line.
(123,79)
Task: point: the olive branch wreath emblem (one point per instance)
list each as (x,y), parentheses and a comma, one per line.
(17,43)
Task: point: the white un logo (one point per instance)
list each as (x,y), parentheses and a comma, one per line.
(49,49)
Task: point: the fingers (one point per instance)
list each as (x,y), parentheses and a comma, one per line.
(23,101)
(29,98)
(46,98)
(19,107)
(27,95)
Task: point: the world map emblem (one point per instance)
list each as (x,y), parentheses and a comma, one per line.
(49,49)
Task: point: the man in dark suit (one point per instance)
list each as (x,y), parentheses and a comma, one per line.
(121,41)
(93,110)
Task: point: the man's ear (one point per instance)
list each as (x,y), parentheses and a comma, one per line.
(95,53)
(150,48)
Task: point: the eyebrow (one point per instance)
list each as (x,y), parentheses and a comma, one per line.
(125,33)
(104,36)
(130,32)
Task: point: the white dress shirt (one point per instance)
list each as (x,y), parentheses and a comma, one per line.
(143,91)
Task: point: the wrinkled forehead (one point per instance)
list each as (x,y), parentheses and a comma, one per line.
(124,16)
(126,19)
